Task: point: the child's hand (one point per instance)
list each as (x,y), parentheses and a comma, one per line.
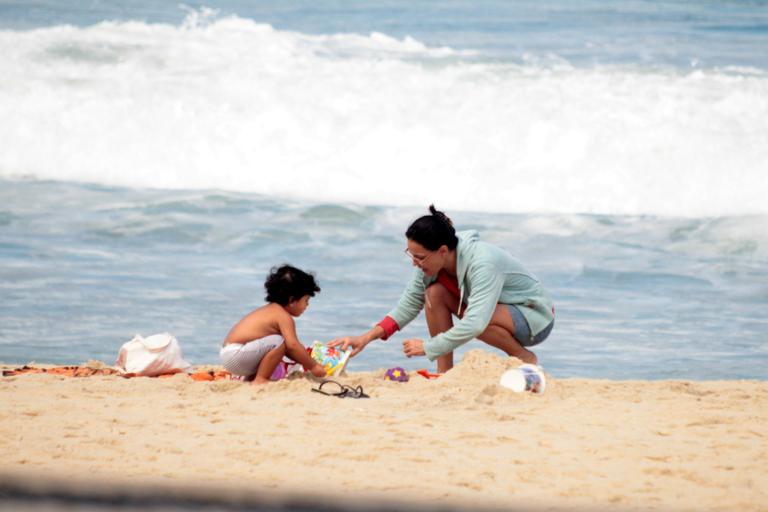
(318,370)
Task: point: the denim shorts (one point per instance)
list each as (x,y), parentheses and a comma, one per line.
(523,330)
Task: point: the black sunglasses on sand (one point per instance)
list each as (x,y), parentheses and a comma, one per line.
(333,388)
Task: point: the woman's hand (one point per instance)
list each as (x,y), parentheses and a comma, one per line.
(357,343)
(414,347)
(318,370)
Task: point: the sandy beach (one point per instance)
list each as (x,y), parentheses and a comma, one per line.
(460,439)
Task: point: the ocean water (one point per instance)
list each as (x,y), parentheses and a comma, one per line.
(156,159)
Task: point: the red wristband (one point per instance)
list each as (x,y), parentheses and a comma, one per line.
(389,325)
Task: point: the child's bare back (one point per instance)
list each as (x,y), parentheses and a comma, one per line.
(259,323)
(257,343)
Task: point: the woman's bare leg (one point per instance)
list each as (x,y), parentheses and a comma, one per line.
(500,334)
(268,364)
(440,306)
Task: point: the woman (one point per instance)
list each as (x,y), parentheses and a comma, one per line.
(495,299)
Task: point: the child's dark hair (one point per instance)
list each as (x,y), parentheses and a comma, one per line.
(287,283)
(433,231)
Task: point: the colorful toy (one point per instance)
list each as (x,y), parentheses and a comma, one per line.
(280,372)
(427,374)
(396,374)
(284,368)
(333,360)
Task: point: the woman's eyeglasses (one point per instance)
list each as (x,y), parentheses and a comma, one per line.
(419,260)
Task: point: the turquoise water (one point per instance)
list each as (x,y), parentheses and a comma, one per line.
(679,33)
(84,267)
(157,160)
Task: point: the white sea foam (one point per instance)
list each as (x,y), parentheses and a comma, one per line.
(233,104)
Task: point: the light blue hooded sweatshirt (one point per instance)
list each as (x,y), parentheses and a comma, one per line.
(487,276)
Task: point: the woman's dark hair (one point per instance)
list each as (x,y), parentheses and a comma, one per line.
(287,283)
(433,231)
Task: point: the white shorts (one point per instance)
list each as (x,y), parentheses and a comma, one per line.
(244,358)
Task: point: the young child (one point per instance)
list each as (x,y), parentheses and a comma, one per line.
(257,343)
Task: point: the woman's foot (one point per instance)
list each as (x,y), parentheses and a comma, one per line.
(527,356)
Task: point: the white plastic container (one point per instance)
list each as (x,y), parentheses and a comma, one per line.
(526,377)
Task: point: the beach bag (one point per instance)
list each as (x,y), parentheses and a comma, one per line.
(152,356)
